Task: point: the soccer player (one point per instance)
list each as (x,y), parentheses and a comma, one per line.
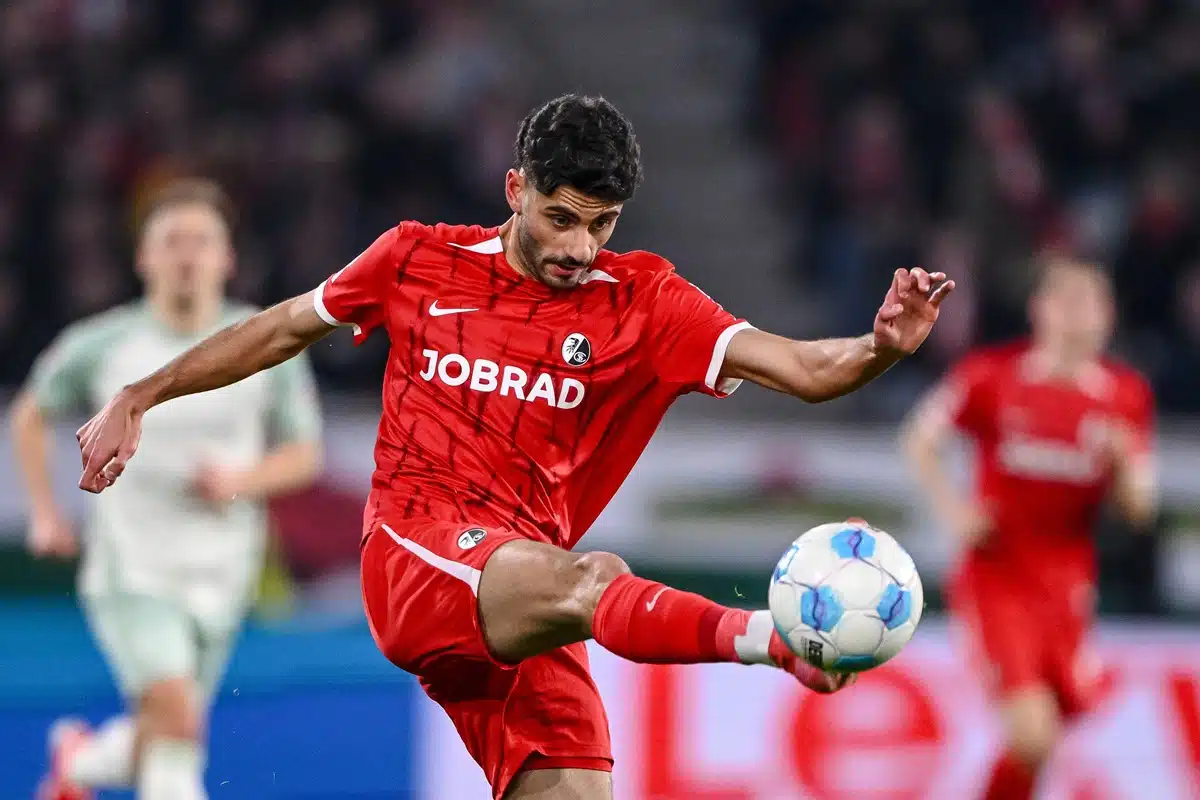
(529,367)
(1057,428)
(172,555)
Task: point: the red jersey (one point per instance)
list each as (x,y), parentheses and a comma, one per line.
(507,403)
(1041,472)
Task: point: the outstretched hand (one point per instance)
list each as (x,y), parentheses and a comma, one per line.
(909,310)
(107,441)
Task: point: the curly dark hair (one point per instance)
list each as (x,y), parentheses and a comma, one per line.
(582,142)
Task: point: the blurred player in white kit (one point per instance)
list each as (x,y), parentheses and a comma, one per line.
(171,557)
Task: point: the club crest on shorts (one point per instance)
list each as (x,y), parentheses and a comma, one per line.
(468,539)
(576,350)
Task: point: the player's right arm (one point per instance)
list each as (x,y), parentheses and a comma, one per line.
(352,297)
(49,531)
(58,385)
(959,402)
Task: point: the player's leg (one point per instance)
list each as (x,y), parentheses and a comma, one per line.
(152,646)
(533,597)
(554,784)
(81,759)
(1006,645)
(542,715)
(1036,711)
(1032,727)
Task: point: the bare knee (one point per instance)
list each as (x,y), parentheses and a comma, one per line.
(534,597)
(554,784)
(589,575)
(171,709)
(1033,725)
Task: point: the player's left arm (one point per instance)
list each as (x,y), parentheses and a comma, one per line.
(817,371)
(1135,484)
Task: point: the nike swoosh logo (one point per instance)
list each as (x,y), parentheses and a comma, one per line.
(434,311)
(654,600)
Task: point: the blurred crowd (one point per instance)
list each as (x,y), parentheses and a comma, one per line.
(969,136)
(963,136)
(327,122)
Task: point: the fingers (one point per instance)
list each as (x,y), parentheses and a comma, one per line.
(113,469)
(941,293)
(836,681)
(100,471)
(82,437)
(103,462)
(921,279)
(932,286)
(89,481)
(843,679)
(92,482)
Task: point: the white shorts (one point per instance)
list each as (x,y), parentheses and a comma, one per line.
(146,639)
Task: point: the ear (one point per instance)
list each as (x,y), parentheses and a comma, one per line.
(514,188)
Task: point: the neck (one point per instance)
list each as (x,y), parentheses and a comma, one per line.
(199,315)
(1058,362)
(512,249)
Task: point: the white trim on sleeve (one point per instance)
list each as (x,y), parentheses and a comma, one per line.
(729,385)
(319,306)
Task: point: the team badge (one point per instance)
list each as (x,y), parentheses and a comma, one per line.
(468,539)
(576,350)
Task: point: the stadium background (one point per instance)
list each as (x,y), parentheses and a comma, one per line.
(797,152)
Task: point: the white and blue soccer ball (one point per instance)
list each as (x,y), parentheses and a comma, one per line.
(846,597)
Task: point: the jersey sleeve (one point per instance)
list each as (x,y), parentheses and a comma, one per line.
(1139,412)
(61,380)
(294,408)
(963,398)
(355,295)
(689,335)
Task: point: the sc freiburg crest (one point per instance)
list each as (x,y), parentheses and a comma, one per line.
(576,350)
(468,539)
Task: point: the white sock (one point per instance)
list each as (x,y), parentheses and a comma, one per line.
(752,646)
(105,761)
(171,769)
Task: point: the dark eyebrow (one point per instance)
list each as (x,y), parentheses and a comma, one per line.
(566,212)
(612,213)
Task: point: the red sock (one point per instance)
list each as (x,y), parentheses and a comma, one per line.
(1011,779)
(651,623)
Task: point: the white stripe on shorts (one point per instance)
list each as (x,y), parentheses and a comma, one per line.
(467,574)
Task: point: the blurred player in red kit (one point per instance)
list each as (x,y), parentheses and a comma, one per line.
(1057,429)
(529,367)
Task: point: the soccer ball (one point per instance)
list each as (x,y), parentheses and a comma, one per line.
(846,597)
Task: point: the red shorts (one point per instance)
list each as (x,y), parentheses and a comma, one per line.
(1021,635)
(419,581)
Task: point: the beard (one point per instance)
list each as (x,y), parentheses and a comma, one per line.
(557,272)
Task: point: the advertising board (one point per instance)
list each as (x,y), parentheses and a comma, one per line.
(916,729)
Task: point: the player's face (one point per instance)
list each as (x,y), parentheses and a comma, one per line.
(185,254)
(1074,311)
(558,235)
